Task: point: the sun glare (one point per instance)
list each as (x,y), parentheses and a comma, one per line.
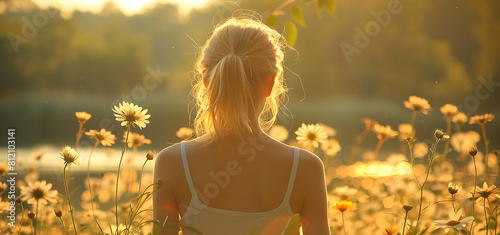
(128,7)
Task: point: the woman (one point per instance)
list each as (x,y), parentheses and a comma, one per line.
(234,178)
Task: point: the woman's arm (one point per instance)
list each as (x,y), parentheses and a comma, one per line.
(164,201)
(314,213)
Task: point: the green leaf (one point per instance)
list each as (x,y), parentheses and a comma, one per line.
(331,5)
(422,231)
(290,33)
(293,225)
(272,21)
(320,4)
(297,15)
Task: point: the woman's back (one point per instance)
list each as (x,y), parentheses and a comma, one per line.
(238,184)
(242,188)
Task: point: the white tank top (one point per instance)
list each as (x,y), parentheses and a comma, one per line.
(214,221)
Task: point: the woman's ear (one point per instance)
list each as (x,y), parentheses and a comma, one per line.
(268,85)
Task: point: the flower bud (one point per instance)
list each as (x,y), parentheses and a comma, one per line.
(31,215)
(407,207)
(18,200)
(58,211)
(473,151)
(159,182)
(150,155)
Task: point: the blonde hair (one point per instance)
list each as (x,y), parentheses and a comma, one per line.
(241,54)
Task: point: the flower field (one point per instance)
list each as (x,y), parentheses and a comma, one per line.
(447,184)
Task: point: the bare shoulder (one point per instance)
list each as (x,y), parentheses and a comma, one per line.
(169,162)
(310,162)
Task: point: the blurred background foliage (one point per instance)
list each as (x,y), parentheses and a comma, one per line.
(89,61)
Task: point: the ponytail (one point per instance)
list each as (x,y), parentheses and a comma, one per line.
(230,96)
(237,60)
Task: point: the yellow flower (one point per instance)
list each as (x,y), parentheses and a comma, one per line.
(329,131)
(454,221)
(37,156)
(420,149)
(384,132)
(369,123)
(449,110)
(459,118)
(391,231)
(82,117)
(489,193)
(311,135)
(106,138)
(135,139)
(184,132)
(462,141)
(331,147)
(345,193)
(440,135)
(38,191)
(418,104)
(406,131)
(69,155)
(481,119)
(4,168)
(342,205)
(280,133)
(3,187)
(454,189)
(131,114)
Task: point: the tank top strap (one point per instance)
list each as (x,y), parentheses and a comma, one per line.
(293,173)
(186,169)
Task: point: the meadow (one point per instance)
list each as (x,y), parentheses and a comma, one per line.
(423,187)
(397,98)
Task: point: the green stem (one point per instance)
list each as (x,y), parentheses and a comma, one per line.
(452,203)
(433,150)
(473,195)
(88,178)
(404,223)
(413,116)
(67,195)
(485,216)
(140,179)
(139,196)
(448,131)
(359,139)
(31,221)
(343,224)
(378,147)
(64,228)
(79,135)
(483,129)
(118,177)
(36,218)
(22,219)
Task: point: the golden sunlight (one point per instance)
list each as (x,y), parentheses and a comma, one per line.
(128,7)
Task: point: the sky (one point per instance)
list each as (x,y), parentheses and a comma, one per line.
(129,7)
